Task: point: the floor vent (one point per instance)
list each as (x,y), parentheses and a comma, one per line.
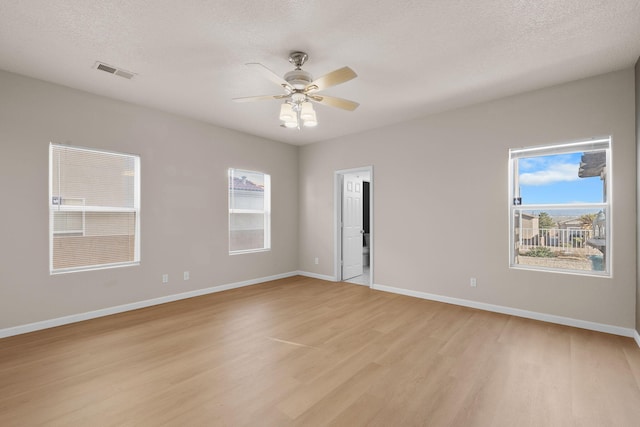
(113,70)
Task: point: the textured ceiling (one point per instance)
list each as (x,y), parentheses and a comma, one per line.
(413,57)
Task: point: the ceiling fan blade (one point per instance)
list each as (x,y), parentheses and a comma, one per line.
(334,78)
(345,104)
(270,75)
(259,98)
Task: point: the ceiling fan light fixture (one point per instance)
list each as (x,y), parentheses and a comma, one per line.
(291,124)
(311,120)
(286,113)
(306,111)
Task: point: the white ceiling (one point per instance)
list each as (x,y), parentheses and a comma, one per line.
(413,57)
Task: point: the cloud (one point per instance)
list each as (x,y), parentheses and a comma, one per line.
(535,163)
(558,172)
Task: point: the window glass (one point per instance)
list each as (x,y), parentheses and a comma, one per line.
(558,179)
(560,210)
(249,211)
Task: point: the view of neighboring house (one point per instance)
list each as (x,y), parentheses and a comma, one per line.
(568,233)
(573,233)
(529,232)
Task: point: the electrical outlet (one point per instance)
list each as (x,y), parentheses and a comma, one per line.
(186,275)
(165,278)
(317,260)
(473,283)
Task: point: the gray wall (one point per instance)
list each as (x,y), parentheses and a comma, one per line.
(440,194)
(441,202)
(183,204)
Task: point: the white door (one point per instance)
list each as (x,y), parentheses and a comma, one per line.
(351,226)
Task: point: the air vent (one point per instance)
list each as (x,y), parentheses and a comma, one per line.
(113,70)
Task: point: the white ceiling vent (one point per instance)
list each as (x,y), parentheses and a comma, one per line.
(113,70)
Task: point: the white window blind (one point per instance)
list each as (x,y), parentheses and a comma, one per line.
(249,211)
(94,209)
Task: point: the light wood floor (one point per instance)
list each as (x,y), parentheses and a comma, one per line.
(301,351)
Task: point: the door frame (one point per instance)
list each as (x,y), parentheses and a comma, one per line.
(337,223)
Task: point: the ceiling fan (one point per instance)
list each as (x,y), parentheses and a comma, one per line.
(300,89)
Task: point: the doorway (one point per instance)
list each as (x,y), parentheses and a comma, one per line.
(353,220)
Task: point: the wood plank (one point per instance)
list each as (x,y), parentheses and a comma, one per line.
(301,351)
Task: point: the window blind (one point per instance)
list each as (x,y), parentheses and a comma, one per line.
(94,203)
(572,147)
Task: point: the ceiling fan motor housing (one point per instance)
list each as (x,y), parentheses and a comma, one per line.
(299,79)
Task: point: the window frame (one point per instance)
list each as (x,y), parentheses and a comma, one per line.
(515,202)
(266,211)
(84,209)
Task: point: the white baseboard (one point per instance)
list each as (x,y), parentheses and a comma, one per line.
(317,276)
(45,324)
(567,321)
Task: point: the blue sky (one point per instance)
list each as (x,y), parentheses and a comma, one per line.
(554,179)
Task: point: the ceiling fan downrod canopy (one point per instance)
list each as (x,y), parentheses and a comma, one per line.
(298,59)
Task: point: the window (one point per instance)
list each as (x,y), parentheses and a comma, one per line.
(249,211)
(560,207)
(94,209)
